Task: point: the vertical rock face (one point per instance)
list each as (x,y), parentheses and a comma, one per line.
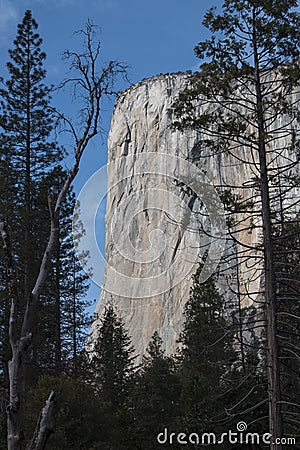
(156,227)
(138,202)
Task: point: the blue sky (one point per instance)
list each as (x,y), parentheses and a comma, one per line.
(153,37)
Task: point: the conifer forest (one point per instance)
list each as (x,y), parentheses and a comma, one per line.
(71,377)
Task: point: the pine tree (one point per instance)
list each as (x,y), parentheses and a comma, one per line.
(94,86)
(247,88)
(32,166)
(112,360)
(287,250)
(27,123)
(109,368)
(206,354)
(29,153)
(72,286)
(218,390)
(155,395)
(62,318)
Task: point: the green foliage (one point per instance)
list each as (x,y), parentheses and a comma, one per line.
(29,153)
(244,105)
(155,395)
(206,355)
(62,322)
(110,370)
(30,163)
(26,116)
(79,416)
(217,390)
(226,80)
(28,149)
(244,396)
(30,158)
(287,251)
(111,360)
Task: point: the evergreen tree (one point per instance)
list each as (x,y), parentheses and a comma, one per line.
(112,360)
(74,318)
(247,87)
(287,251)
(94,86)
(110,369)
(27,123)
(28,154)
(217,389)
(31,169)
(62,318)
(72,286)
(206,355)
(155,396)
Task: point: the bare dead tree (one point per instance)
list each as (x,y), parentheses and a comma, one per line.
(90,83)
(44,427)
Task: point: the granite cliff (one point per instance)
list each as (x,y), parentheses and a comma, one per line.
(156,228)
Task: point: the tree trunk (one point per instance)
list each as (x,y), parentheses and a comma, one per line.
(275,420)
(20,345)
(58,358)
(27,187)
(94,87)
(75,365)
(44,427)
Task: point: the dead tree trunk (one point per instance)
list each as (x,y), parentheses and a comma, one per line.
(44,426)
